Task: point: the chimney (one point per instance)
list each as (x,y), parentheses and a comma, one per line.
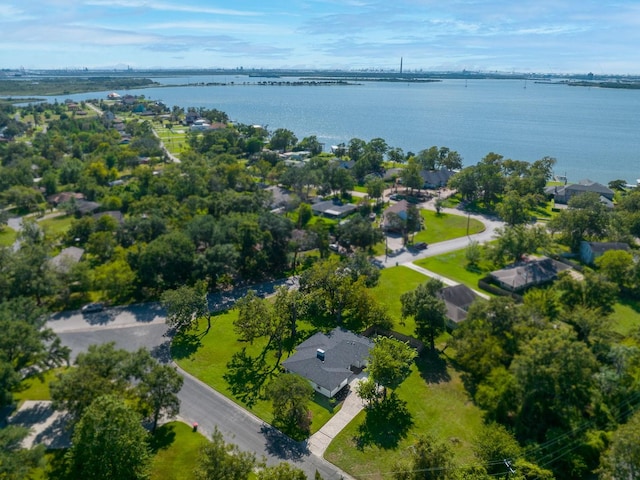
(320,354)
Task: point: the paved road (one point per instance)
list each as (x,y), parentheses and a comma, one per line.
(144,326)
(491,224)
(138,326)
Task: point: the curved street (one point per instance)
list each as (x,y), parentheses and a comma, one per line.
(143,325)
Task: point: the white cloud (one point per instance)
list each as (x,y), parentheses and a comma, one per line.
(170,7)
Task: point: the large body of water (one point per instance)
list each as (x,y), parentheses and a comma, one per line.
(592,132)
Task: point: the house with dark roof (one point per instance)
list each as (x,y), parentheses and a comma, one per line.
(457,300)
(330,361)
(523,275)
(562,194)
(115,214)
(436,178)
(589,251)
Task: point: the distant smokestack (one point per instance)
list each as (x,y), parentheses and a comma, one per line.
(400,65)
(320,354)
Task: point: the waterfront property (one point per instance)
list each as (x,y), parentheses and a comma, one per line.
(562,194)
(330,361)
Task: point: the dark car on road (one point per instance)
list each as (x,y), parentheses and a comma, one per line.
(420,245)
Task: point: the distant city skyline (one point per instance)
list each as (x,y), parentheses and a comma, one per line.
(570,36)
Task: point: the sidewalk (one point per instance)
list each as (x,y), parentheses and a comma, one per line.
(351,406)
(445,280)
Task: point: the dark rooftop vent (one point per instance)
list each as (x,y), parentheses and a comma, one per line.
(320,354)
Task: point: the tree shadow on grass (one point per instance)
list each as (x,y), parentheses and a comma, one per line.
(246,376)
(432,367)
(162,438)
(185,344)
(385,424)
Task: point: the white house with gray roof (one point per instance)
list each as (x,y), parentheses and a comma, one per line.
(330,361)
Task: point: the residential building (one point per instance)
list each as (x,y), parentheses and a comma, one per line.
(330,361)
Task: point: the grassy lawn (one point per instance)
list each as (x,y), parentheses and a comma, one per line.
(57,225)
(453,265)
(437,404)
(445,226)
(7,236)
(176,448)
(626,316)
(393,283)
(34,388)
(207,357)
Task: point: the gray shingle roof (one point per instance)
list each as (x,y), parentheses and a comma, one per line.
(342,350)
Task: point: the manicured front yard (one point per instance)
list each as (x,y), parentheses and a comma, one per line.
(437,404)
(57,225)
(207,357)
(446,226)
(453,265)
(175,446)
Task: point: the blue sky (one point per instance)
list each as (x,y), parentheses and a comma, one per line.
(554,36)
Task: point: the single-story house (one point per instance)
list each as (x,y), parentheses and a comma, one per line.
(436,178)
(589,251)
(63,197)
(66,258)
(562,194)
(333,209)
(115,214)
(522,275)
(457,299)
(391,214)
(84,207)
(330,361)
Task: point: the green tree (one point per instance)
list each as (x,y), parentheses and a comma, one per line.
(185,305)
(494,442)
(427,310)
(473,253)
(428,459)
(375,188)
(555,377)
(282,139)
(390,363)
(218,460)
(513,242)
(15,461)
(358,232)
(109,442)
(157,391)
(593,292)
(617,267)
(622,458)
(514,208)
(410,175)
(291,395)
(490,178)
(585,218)
(465,182)
(310,144)
(282,471)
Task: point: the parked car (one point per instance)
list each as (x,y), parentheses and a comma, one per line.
(93,307)
(420,245)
